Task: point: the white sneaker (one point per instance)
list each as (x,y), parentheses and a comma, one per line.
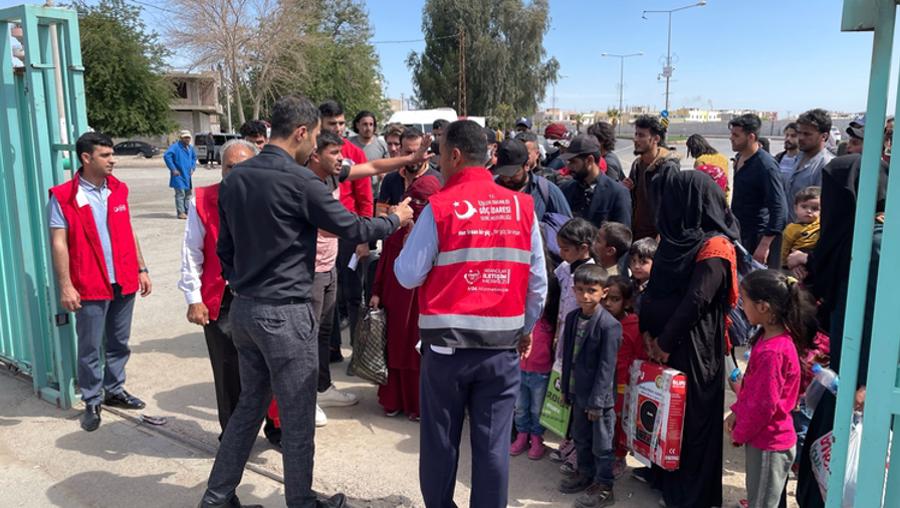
(332,397)
(321,419)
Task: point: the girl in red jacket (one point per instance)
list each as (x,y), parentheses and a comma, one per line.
(619,302)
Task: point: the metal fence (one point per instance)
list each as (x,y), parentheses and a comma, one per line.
(42,97)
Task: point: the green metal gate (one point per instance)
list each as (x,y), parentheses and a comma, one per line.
(42,98)
(883,388)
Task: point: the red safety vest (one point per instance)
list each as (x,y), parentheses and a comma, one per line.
(212,284)
(87,267)
(474,295)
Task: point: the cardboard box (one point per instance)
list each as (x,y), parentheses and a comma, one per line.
(653,413)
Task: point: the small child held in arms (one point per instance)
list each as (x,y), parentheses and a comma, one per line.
(641,263)
(611,247)
(802,235)
(618,302)
(588,382)
(535,373)
(574,239)
(761,417)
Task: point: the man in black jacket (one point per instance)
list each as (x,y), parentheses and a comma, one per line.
(591,194)
(271,208)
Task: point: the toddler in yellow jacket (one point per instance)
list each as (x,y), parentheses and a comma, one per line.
(803,234)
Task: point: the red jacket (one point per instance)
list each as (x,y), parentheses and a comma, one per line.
(474,295)
(632,349)
(212,284)
(356,195)
(87,266)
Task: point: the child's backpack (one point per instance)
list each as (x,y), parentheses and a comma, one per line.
(550,225)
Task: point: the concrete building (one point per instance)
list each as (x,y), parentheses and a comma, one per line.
(196,106)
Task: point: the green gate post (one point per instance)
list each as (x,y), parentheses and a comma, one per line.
(33,159)
(882,401)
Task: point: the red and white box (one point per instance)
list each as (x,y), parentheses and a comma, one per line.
(653,413)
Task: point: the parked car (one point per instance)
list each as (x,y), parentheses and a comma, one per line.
(201,148)
(136,148)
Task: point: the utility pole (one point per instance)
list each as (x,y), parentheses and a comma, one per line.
(461,85)
(667,69)
(621,81)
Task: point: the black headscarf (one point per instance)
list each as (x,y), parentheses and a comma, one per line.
(829,264)
(692,210)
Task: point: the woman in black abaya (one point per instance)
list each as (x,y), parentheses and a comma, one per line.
(693,285)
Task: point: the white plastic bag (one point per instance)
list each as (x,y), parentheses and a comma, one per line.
(820,454)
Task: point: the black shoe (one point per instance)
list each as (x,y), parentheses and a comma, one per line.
(234,502)
(123,400)
(575,483)
(90,419)
(643,475)
(335,356)
(335,501)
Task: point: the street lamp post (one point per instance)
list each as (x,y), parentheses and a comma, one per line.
(621,80)
(667,70)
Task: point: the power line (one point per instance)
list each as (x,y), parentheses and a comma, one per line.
(154,6)
(413,40)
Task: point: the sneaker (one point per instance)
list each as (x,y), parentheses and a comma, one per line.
(519,445)
(619,467)
(565,448)
(596,496)
(321,419)
(391,414)
(537,450)
(574,484)
(570,466)
(332,397)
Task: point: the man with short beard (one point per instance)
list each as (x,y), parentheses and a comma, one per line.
(514,170)
(787,159)
(813,131)
(758,200)
(270,211)
(653,161)
(395,184)
(256,132)
(590,193)
(364,125)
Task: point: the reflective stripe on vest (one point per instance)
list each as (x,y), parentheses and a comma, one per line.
(483,254)
(470,322)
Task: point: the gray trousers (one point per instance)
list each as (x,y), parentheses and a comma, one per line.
(324,296)
(277,352)
(103,325)
(182,200)
(767,473)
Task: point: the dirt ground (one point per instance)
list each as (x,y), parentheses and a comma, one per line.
(371,458)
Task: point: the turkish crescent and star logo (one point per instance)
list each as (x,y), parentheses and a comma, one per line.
(472,276)
(467,213)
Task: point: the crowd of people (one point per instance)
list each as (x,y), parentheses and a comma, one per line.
(502,264)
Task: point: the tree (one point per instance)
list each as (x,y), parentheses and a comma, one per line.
(340,63)
(125,90)
(503,54)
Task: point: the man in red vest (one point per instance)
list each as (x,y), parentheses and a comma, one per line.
(99,268)
(477,256)
(207,295)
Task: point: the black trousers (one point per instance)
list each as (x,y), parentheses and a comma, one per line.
(224,360)
(350,291)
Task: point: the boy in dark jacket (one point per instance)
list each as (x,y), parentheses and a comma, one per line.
(592,339)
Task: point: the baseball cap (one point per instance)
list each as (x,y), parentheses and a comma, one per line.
(857,127)
(581,144)
(555,131)
(184,134)
(511,156)
(523,121)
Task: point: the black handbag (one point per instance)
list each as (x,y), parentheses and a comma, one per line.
(369,359)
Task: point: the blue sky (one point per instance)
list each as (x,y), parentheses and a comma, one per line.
(781,55)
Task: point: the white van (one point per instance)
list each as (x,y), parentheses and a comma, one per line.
(423,118)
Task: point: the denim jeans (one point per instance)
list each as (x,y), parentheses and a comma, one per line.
(532,390)
(594,444)
(182,200)
(277,353)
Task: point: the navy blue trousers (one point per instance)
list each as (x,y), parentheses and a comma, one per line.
(483,383)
